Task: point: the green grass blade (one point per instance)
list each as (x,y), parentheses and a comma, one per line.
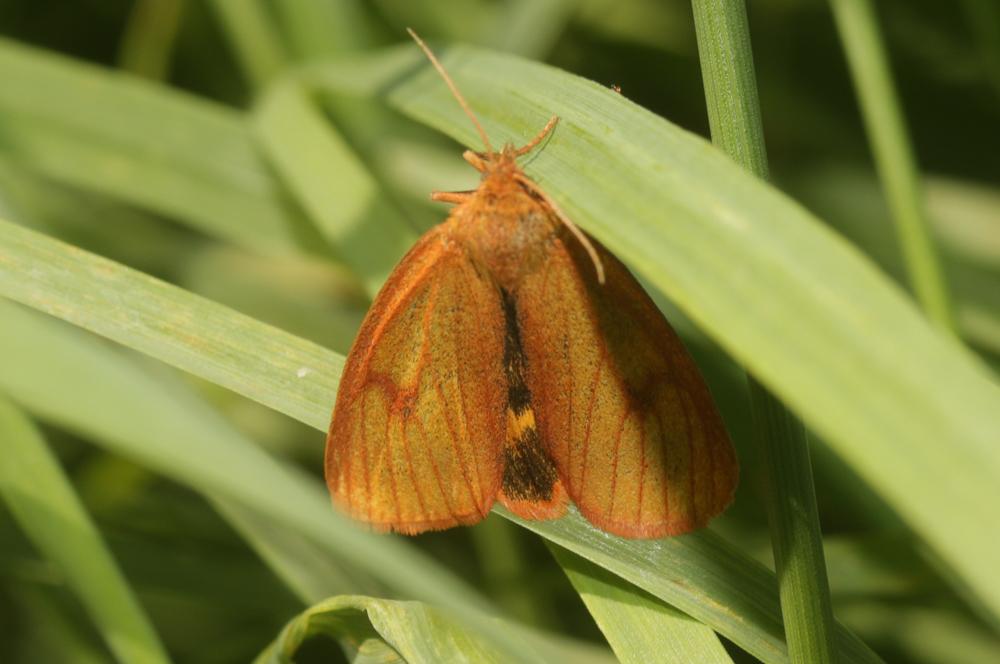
(797,542)
(281,371)
(861,366)
(349,209)
(50,635)
(730,593)
(317,29)
(894,158)
(161,425)
(727,70)
(46,506)
(734,115)
(964,220)
(312,571)
(257,46)
(529,27)
(699,574)
(170,152)
(637,624)
(196,449)
(148,41)
(412,631)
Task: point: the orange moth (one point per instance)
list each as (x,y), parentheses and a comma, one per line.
(510,357)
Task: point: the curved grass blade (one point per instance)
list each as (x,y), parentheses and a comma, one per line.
(411,631)
(167,429)
(277,369)
(861,365)
(161,424)
(709,582)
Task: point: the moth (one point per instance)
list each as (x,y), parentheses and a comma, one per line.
(510,357)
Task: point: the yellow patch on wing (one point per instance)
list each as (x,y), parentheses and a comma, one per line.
(518,423)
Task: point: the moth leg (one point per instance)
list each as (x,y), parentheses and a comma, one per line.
(451,196)
(530,145)
(475,159)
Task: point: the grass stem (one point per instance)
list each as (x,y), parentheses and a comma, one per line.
(734,117)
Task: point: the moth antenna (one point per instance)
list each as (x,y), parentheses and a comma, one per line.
(454,90)
(530,145)
(568,223)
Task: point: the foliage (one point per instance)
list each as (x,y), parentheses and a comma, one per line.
(222,186)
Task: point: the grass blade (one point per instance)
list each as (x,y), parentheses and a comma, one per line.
(861,366)
(637,624)
(699,574)
(161,425)
(388,630)
(411,631)
(148,41)
(46,506)
(350,209)
(317,29)
(277,369)
(170,152)
(257,47)
(728,592)
(203,452)
(894,158)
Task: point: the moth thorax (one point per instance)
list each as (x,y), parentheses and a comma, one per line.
(512,246)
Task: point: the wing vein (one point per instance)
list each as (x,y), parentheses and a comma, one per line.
(453,437)
(590,415)
(666,471)
(389,314)
(391,471)
(689,430)
(407,452)
(422,361)
(437,471)
(364,453)
(642,470)
(614,462)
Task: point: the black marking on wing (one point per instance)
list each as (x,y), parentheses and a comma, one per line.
(518,395)
(528,471)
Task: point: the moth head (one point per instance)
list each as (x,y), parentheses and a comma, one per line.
(489,163)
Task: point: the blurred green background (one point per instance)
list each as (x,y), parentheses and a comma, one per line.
(206,584)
